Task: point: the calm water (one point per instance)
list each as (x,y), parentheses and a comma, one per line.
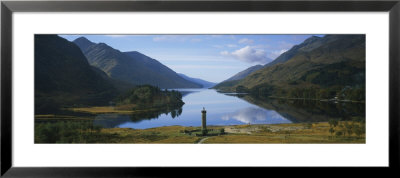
(223,109)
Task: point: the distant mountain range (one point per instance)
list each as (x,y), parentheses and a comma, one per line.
(333,63)
(131,67)
(205,84)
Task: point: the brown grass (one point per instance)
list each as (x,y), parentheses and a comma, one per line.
(276,134)
(102,110)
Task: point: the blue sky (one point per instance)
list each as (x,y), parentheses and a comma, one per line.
(210,57)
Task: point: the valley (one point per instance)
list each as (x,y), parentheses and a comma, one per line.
(89,91)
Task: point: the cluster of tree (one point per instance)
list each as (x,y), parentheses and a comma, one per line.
(341,73)
(312,92)
(356,94)
(342,93)
(356,126)
(67,132)
(262,90)
(149,97)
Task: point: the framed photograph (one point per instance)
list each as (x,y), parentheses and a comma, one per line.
(103,88)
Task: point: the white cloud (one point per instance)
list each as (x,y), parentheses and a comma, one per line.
(178,66)
(168,38)
(216,36)
(255,116)
(177,38)
(218,46)
(249,54)
(223,46)
(190,58)
(196,40)
(116,36)
(224,53)
(246,41)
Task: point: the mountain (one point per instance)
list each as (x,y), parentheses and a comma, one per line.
(83,43)
(63,77)
(232,81)
(320,67)
(205,84)
(307,45)
(244,73)
(131,67)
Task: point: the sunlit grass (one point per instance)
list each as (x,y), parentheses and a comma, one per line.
(274,133)
(286,133)
(105,109)
(168,134)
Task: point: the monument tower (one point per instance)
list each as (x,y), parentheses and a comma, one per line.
(203,121)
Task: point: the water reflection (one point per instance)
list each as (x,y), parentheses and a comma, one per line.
(234,110)
(117,120)
(310,110)
(255,115)
(187,91)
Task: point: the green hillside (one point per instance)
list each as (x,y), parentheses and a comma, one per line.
(244,73)
(323,68)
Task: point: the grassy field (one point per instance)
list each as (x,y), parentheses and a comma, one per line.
(284,133)
(275,134)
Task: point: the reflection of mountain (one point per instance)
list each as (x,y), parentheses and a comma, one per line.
(254,115)
(115,120)
(310,110)
(185,93)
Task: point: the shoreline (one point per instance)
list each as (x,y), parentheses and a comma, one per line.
(107,110)
(311,133)
(286,98)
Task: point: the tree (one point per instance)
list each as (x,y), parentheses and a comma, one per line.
(339,133)
(241,89)
(358,130)
(348,128)
(222,131)
(173,114)
(309,125)
(333,122)
(287,132)
(343,129)
(331,130)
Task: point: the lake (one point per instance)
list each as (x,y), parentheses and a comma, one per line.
(235,109)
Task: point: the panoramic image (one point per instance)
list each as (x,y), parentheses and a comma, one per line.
(200,89)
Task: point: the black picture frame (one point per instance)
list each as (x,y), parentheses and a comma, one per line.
(8,7)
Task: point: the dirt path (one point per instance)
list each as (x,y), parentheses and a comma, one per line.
(202,140)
